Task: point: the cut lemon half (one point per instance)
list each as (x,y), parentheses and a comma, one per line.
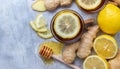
(67,25)
(105,46)
(95,62)
(89,4)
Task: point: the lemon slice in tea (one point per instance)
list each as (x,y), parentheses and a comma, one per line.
(89,4)
(67,25)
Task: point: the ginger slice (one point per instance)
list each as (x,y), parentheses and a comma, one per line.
(115,63)
(39,6)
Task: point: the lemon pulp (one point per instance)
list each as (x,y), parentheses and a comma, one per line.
(95,62)
(89,4)
(67,25)
(105,46)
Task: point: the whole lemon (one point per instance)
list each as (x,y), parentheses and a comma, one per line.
(109,19)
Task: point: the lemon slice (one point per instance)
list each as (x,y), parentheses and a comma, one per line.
(106,46)
(33,25)
(40,26)
(45,35)
(89,4)
(67,25)
(40,21)
(43,29)
(42,32)
(95,62)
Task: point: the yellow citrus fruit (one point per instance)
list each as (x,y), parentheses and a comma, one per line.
(109,19)
(105,46)
(40,21)
(95,62)
(47,34)
(89,4)
(67,25)
(33,25)
(40,26)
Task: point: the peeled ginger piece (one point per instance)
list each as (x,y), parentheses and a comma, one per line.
(39,6)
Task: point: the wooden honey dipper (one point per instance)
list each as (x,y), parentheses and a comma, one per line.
(48,53)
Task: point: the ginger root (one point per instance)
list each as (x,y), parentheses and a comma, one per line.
(86,43)
(69,52)
(114,3)
(51,4)
(115,63)
(65,2)
(117,1)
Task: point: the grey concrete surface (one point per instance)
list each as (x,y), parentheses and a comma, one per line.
(18,42)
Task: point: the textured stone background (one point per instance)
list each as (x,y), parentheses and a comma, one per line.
(18,42)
